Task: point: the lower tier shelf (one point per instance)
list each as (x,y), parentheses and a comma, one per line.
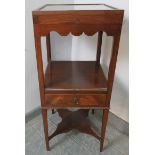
(74,120)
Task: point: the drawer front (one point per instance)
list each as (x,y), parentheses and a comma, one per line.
(61,101)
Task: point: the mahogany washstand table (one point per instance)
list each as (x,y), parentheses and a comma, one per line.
(76,84)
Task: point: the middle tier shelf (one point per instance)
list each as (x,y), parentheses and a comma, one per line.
(74,76)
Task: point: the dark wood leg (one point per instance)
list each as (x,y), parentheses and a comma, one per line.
(93,111)
(45,124)
(103,129)
(53,111)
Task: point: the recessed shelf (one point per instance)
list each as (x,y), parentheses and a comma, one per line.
(74,76)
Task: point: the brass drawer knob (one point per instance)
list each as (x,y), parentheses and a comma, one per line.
(75,100)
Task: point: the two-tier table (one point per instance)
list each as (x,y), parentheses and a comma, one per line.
(76,84)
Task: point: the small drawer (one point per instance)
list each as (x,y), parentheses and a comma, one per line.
(62,101)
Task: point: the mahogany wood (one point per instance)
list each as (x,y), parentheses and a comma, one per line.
(74,120)
(39,64)
(103,129)
(45,123)
(99,45)
(48,45)
(76,84)
(112,66)
(74,76)
(75,101)
(78,22)
(83,4)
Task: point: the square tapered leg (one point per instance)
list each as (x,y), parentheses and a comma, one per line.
(45,125)
(103,129)
(93,111)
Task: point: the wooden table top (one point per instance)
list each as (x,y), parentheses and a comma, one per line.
(65,7)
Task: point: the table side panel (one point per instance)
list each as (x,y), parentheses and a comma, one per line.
(78,22)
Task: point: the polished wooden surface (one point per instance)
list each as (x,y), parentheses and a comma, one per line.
(78,21)
(48,47)
(99,46)
(74,120)
(73,101)
(74,76)
(68,7)
(76,84)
